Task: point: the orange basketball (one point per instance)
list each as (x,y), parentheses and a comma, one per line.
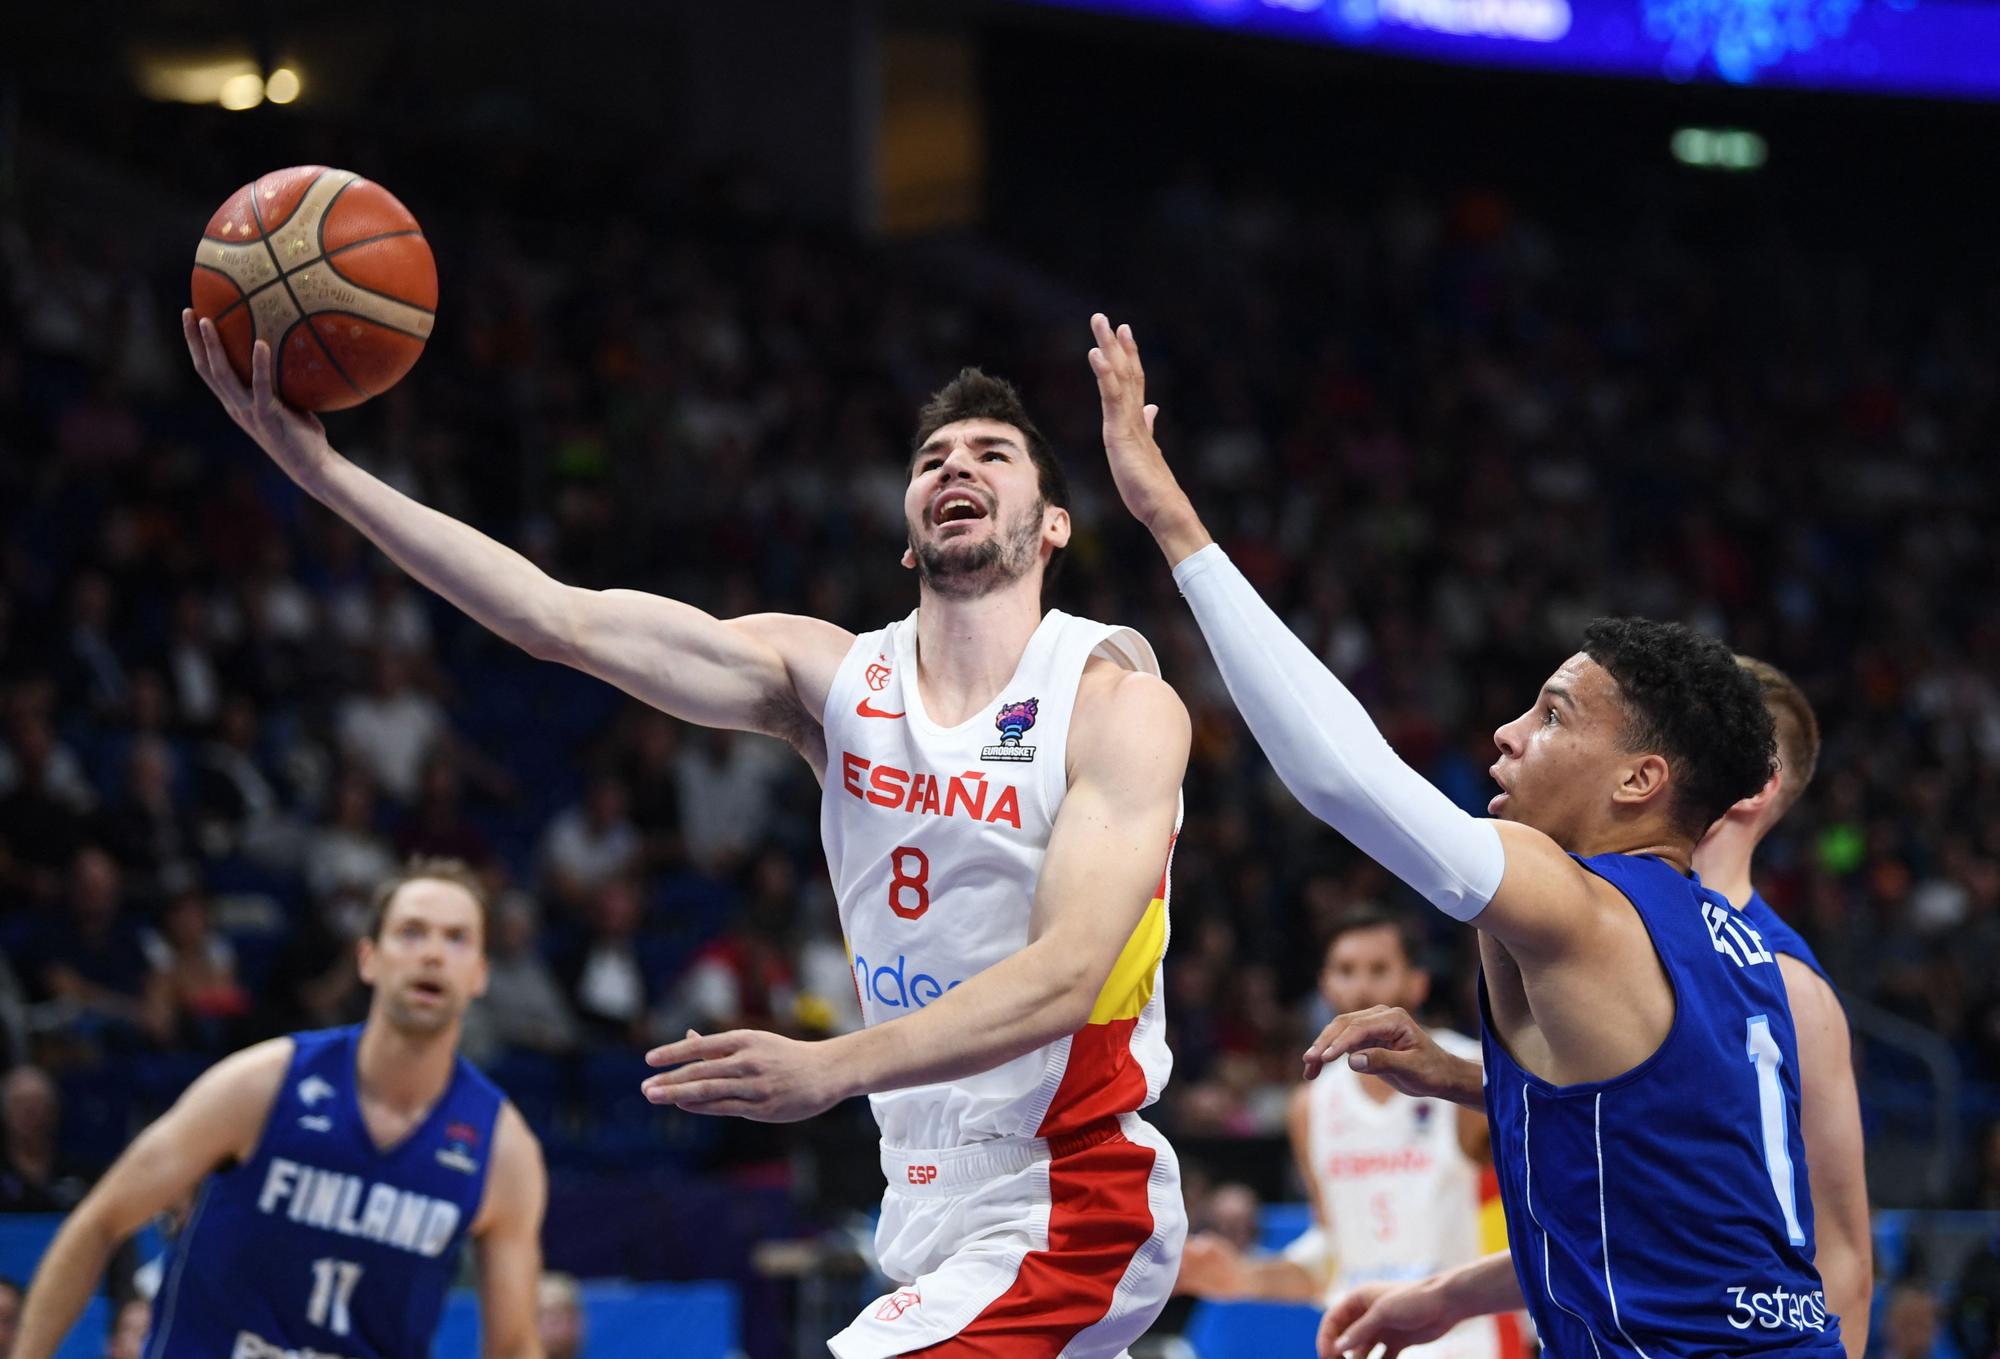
(331,271)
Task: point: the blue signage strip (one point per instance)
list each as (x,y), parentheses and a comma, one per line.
(1944,48)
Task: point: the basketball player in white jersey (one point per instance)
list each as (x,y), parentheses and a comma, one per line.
(1001,794)
(1394,1180)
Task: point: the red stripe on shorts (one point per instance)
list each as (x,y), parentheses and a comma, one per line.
(1099,1217)
(1101,1079)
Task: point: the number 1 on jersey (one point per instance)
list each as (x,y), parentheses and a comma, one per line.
(333,1289)
(1762,1050)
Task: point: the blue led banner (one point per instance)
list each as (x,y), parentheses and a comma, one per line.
(1947,48)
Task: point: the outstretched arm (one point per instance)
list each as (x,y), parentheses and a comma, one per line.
(767,672)
(1092,916)
(1518,882)
(216,1121)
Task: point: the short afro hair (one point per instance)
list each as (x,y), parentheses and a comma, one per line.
(1687,699)
(974,395)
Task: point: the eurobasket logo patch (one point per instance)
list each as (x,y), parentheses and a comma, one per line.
(1013,721)
(460,1141)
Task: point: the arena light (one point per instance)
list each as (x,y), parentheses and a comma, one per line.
(234,82)
(244,91)
(183,80)
(1719,148)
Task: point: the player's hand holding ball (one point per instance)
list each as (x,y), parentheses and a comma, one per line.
(313,290)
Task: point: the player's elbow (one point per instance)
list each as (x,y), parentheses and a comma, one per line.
(1070,995)
(551,624)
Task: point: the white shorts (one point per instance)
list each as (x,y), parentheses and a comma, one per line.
(1025,1248)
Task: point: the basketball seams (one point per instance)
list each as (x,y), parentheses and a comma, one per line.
(380,296)
(319,227)
(370,240)
(326,255)
(244,295)
(373,321)
(286,279)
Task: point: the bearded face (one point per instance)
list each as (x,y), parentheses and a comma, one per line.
(966,567)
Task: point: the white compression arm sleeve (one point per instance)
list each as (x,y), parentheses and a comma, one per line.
(1323,745)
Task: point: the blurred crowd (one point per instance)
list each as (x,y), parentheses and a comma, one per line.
(1441,429)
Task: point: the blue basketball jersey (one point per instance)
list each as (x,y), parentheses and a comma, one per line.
(1664,1214)
(1780,937)
(322,1244)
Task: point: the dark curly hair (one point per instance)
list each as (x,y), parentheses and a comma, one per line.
(974,395)
(1687,698)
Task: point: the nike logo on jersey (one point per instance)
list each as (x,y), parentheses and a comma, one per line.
(867,709)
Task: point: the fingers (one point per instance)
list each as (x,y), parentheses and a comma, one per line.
(212,364)
(191,332)
(694,1048)
(1121,384)
(1326,1342)
(1359,1336)
(1129,345)
(260,375)
(706,1090)
(1378,1027)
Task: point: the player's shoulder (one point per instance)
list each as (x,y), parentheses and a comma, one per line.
(798,630)
(812,648)
(1131,699)
(1127,720)
(261,1067)
(227,1105)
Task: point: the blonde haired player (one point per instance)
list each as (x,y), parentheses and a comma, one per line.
(1395,1181)
(1001,793)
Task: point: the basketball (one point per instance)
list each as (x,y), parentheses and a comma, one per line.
(331,271)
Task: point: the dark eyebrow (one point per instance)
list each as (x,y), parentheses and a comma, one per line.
(977,441)
(1560,694)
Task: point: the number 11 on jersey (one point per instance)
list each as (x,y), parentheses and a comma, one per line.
(333,1290)
(1762,1050)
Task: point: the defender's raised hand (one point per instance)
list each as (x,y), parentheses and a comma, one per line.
(1145,482)
(295,439)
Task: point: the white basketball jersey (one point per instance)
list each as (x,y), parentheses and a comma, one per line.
(935,838)
(1401,1196)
